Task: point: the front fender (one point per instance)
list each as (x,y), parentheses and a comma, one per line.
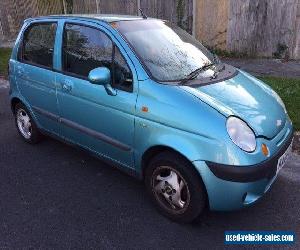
(149,134)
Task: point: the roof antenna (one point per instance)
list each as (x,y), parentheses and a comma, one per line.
(143,14)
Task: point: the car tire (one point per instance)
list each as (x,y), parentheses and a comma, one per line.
(26,125)
(170,175)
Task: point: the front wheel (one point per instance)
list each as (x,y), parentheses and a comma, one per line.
(175,187)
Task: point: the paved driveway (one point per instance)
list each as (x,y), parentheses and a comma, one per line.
(55,196)
(267,67)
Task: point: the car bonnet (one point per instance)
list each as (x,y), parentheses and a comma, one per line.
(246,97)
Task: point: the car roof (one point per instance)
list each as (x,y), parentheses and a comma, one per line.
(102,17)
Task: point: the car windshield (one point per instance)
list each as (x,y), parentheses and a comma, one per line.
(167,52)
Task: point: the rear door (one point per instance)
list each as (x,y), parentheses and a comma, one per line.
(89,116)
(34,73)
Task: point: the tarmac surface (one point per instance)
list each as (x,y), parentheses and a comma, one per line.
(267,67)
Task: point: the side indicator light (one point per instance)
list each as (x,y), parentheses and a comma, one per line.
(265,149)
(145,109)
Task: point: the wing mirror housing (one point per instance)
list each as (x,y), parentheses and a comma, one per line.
(101,76)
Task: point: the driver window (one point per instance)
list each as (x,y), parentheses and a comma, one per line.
(86,48)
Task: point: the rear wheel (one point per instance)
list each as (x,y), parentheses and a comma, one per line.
(26,125)
(175,187)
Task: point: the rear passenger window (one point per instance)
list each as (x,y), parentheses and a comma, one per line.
(38,44)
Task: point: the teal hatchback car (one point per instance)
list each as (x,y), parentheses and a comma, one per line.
(147,97)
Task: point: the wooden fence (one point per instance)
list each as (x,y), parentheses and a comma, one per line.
(13,12)
(264,27)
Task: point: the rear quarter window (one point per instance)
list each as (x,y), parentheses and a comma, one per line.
(37,47)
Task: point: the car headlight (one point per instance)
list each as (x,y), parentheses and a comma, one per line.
(241,134)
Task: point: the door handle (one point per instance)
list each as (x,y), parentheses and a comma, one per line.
(66,86)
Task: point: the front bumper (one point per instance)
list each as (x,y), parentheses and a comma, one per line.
(235,187)
(266,169)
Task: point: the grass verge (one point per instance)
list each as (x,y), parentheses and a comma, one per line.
(4,57)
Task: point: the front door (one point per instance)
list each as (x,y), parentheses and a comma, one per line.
(89,115)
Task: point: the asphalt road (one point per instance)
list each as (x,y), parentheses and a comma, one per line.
(55,196)
(267,67)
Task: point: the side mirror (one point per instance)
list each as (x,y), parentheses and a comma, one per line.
(101,76)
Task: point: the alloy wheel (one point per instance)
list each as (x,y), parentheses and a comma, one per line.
(24,123)
(170,189)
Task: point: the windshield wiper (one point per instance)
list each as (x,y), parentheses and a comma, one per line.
(195,73)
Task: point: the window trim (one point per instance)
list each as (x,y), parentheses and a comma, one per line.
(62,71)
(20,52)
